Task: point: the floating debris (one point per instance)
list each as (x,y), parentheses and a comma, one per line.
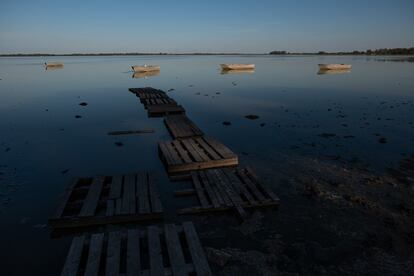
(382,140)
(251,117)
(78,116)
(83,104)
(226,123)
(126,132)
(119,144)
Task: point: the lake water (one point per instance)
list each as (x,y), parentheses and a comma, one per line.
(364,118)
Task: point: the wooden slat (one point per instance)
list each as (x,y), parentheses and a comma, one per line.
(128,198)
(199,190)
(154,196)
(219,148)
(183,153)
(94,255)
(264,187)
(133,253)
(115,187)
(180,126)
(142,193)
(154,245)
(193,152)
(71,266)
(217,189)
(251,185)
(110,207)
(196,251)
(175,251)
(113,254)
(199,150)
(211,194)
(92,198)
(208,149)
(237,184)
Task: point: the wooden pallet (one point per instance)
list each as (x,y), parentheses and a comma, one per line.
(227,189)
(106,200)
(180,126)
(199,153)
(171,250)
(157,102)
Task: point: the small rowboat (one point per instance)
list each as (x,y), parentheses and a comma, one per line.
(53,64)
(145,68)
(335,66)
(237,66)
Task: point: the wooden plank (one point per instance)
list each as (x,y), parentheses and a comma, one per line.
(199,150)
(199,190)
(92,198)
(154,246)
(219,148)
(196,251)
(113,254)
(217,189)
(175,251)
(264,187)
(237,184)
(180,126)
(234,197)
(183,153)
(128,196)
(94,255)
(156,206)
(115,187)
(118,206)
(211,194)
(169,153)
(208,149)
(191,150)
(110,208)
(73,259)
(65,199)
(251,185)
(133,262)
(142,194)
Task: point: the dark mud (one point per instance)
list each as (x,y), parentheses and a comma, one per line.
(334,219)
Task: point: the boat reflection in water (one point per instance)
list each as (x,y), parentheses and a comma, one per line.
(139,75)
(53,65)
(239,71)
(331,72)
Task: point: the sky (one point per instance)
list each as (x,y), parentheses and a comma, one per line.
(219,26)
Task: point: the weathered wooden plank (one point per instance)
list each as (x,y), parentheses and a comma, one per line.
(118,206)
(156,206)
(110,208)
(92,198)
(199,150)
(142,193)
(175,251)
(94,255)
(154,245)
(165,109)
(217,189)
(208,149)
(113,254)
(196,250)
(180,126)
(183,153)
(133,262)
(115,187)
(219,148)
(169,153)
(73,259)
(199,190)
(191,150)
(251,185)
(264,187)
(128,197)
(211,193)
(238,185)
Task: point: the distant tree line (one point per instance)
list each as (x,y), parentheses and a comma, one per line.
(376,52)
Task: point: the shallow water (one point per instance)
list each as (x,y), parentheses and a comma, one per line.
(342,117)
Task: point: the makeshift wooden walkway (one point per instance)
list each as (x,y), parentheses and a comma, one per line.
(180,126)
(227,189)
(199,153)
(108,200)
(157,102)
(173,250)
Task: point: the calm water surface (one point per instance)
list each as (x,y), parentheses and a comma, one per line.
(301,113)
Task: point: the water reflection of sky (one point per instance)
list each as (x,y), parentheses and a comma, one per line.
(41,138)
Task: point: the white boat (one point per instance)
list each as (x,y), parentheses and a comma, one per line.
(335,66)
(237,66)
(53,64)
(145,68)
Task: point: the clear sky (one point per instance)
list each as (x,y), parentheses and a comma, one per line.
(179,26)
